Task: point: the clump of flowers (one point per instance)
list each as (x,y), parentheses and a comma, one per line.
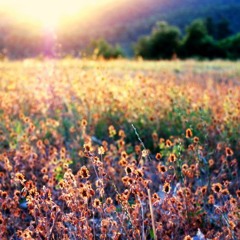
(72,166)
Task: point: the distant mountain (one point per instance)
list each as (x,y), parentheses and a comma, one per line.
(122,22)
(125,23)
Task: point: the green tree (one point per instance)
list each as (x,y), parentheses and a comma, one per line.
(231,46)
(161,44)
(144,48)
(198,43)
(101,48)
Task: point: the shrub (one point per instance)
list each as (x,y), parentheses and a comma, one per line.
(197,42)
(231,46)
(101,48)
(161,44)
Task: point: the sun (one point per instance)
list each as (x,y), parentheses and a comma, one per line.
(50,12)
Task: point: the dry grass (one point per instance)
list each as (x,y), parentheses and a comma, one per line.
(73,167)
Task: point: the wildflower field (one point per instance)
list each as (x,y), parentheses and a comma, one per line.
(119,150)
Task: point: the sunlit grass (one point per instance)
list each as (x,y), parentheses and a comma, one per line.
(119,148)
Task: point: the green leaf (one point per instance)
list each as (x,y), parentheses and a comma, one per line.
(151,233)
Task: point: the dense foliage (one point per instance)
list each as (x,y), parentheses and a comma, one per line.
(100,48)
(231,46)
(162,44)
(200,41)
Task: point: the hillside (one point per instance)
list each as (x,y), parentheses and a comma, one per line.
(122,22)
(128,24)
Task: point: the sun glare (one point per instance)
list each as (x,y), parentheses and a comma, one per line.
(49,12)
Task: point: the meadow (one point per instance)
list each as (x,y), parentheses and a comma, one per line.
(119,149)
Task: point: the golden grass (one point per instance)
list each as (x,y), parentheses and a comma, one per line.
(119,149)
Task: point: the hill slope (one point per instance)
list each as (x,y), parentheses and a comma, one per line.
(127,24)
(122,22)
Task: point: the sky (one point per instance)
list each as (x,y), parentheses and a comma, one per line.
(50,12)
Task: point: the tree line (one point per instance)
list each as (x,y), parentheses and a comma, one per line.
(203,39)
